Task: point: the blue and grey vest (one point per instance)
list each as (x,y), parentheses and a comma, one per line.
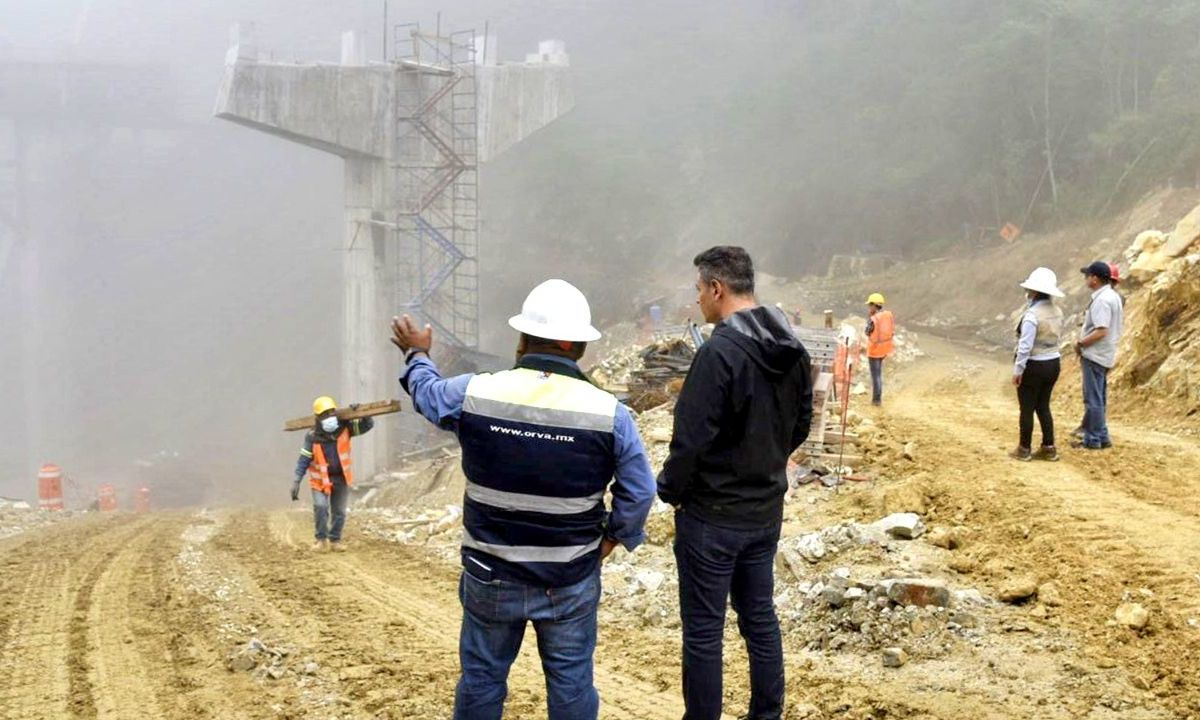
(538,452)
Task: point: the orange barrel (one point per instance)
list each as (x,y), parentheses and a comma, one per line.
(141,500)
(50,495)
(107,495)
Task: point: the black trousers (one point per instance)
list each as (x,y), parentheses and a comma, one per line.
(1037,384)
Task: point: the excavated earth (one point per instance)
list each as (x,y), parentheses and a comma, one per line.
(228,614)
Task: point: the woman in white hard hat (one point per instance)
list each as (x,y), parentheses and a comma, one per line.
(1037,363)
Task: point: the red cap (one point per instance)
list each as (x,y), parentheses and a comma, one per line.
(1115,272)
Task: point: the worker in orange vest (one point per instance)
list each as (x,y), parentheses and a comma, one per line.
(881,329)
(325,457)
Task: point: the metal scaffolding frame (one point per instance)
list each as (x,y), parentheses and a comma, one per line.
(436,225)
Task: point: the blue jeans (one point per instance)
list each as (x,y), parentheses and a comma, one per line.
(876,379)
(1095,404)
(494,617)
(329,512)
(714,564)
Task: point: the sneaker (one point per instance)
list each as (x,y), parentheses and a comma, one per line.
(1106,445)
(320,545)
(1081,445)
(1077,432)
(337,546)
(1046,452)
(1021,453)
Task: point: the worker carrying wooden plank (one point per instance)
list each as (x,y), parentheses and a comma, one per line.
(325,458)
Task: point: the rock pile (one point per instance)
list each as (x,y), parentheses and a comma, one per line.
(262,661)
(812,548)
(413,526)
(837,612)
(18,516)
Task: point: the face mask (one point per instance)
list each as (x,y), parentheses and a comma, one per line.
(329,424)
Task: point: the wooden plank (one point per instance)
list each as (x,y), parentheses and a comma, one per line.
(381,407)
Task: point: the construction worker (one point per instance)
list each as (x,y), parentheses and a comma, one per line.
(1097,350)
(325,457)
(881,329)
(540,447)
(1037,362)
(744,408)
(1115,279)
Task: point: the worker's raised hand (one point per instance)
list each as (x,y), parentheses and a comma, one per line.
(407,337)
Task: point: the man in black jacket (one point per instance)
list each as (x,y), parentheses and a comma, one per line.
(745,407)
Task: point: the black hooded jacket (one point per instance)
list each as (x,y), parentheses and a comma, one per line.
(745,407)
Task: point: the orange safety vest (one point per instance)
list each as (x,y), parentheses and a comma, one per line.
(879,343)
(318,469)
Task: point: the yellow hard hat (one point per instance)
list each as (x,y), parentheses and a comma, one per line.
(875,299)
(322,404)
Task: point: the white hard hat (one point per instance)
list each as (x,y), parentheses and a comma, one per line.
(1043,280)
(556,310)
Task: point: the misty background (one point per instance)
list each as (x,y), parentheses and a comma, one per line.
(185,297)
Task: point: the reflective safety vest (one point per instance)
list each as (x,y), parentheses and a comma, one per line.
(538,454)
(318,470)
(879,342)
(1049,326)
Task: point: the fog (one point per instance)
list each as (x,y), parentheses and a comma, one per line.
(178,292)
(182,294)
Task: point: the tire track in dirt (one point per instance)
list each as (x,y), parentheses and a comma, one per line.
(1132,532)
(39,665)
(124,679)
(1103,540)
(220,598)
(83,689)
(390,587)
(393,664)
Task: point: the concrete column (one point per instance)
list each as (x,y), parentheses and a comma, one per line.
(366,375)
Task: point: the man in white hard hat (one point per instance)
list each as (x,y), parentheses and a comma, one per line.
(540,447)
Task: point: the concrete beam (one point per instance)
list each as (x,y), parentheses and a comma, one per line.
(518,99)
(346,111)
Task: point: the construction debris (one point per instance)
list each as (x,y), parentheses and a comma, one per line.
(904,526)
(662,364)
(18,516)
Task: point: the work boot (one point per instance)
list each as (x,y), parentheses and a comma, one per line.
(1046,452)
(320,545)
(337,546)
(1077,432)
(1021,453)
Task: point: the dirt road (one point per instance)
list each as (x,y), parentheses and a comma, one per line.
(1107,527)
(138,616)
(135,617)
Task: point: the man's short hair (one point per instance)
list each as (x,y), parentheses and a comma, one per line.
(729,264)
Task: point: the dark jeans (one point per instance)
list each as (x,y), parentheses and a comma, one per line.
(714,564)
(1095,404)
(1033,393)
(494,618)
(876,379)
(329,512)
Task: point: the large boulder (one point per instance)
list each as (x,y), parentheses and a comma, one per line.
(1185,234)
